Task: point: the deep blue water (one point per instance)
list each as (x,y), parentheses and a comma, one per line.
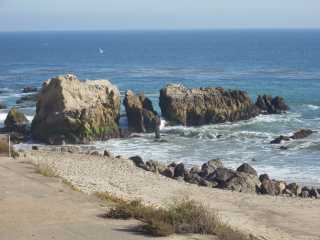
(277,62)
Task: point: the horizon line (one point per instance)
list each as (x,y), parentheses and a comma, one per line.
(160,29)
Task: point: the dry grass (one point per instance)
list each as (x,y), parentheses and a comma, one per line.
(45,170)
(181,217)
(73,187)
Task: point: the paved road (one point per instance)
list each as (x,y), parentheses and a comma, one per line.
(37,207)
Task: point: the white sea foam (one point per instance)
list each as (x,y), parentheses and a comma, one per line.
(312,107)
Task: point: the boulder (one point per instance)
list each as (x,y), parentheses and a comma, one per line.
(269,105)
(314,193)
(107,153)
(210,167)
(29,89)
(168,172)
(16,121)
(199,106)
(263,177)
(154,166)
(280,187)
(179,170)
(243,182)
(140,113)
(138,161)
(73,111)
(221,176)
(268,187)
(246,168)
(193,178)
(294,188)
(303,133)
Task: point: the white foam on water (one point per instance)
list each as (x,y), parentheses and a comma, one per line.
(312,107)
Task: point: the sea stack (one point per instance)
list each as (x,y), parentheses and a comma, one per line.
(199,106)
(73,111)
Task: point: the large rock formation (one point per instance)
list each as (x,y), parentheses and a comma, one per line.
(270,105)
(74,111)
(141,115)
(16,121)
(199,106)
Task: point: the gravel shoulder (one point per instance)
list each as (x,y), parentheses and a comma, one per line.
(34,207)
(265,217)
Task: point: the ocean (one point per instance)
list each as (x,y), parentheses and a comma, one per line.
(276,62)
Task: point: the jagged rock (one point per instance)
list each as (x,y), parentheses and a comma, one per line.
(303,133)
(95,153)
(74,111)
(294,188)
(141,115)
(154,166)
(305,194)
(193,178)
(168,172)
(179,170)
(221,175)
(106,153)
(263,177)
(268,187)
(36,148)
(138,161)
(280,187)
(210,167)
(280,139)
(243,182)
(199,106)
(314,193)
(29,89)
(246,168)
(16,121)
(269,105)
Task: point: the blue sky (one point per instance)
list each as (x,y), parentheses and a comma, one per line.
(30,15)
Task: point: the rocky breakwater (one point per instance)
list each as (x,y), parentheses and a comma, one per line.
(73,111)
(199,106)
(140,113)
(213,174)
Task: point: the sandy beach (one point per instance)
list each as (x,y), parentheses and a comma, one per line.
(265,217)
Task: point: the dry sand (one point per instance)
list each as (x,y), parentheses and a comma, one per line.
(265,217)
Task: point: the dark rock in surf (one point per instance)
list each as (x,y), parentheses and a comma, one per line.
(303,133)
(270,105)
(246,168)
(141,115)
(28,100)
(280,139)
(199,106)
(29,89)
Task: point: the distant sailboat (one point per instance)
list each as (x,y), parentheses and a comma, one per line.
(101,51)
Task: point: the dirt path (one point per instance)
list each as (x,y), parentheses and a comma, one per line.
(36,207)
(267,217)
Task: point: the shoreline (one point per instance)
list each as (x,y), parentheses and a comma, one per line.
(266,216)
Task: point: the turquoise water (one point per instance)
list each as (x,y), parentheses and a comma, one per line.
(277,62)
